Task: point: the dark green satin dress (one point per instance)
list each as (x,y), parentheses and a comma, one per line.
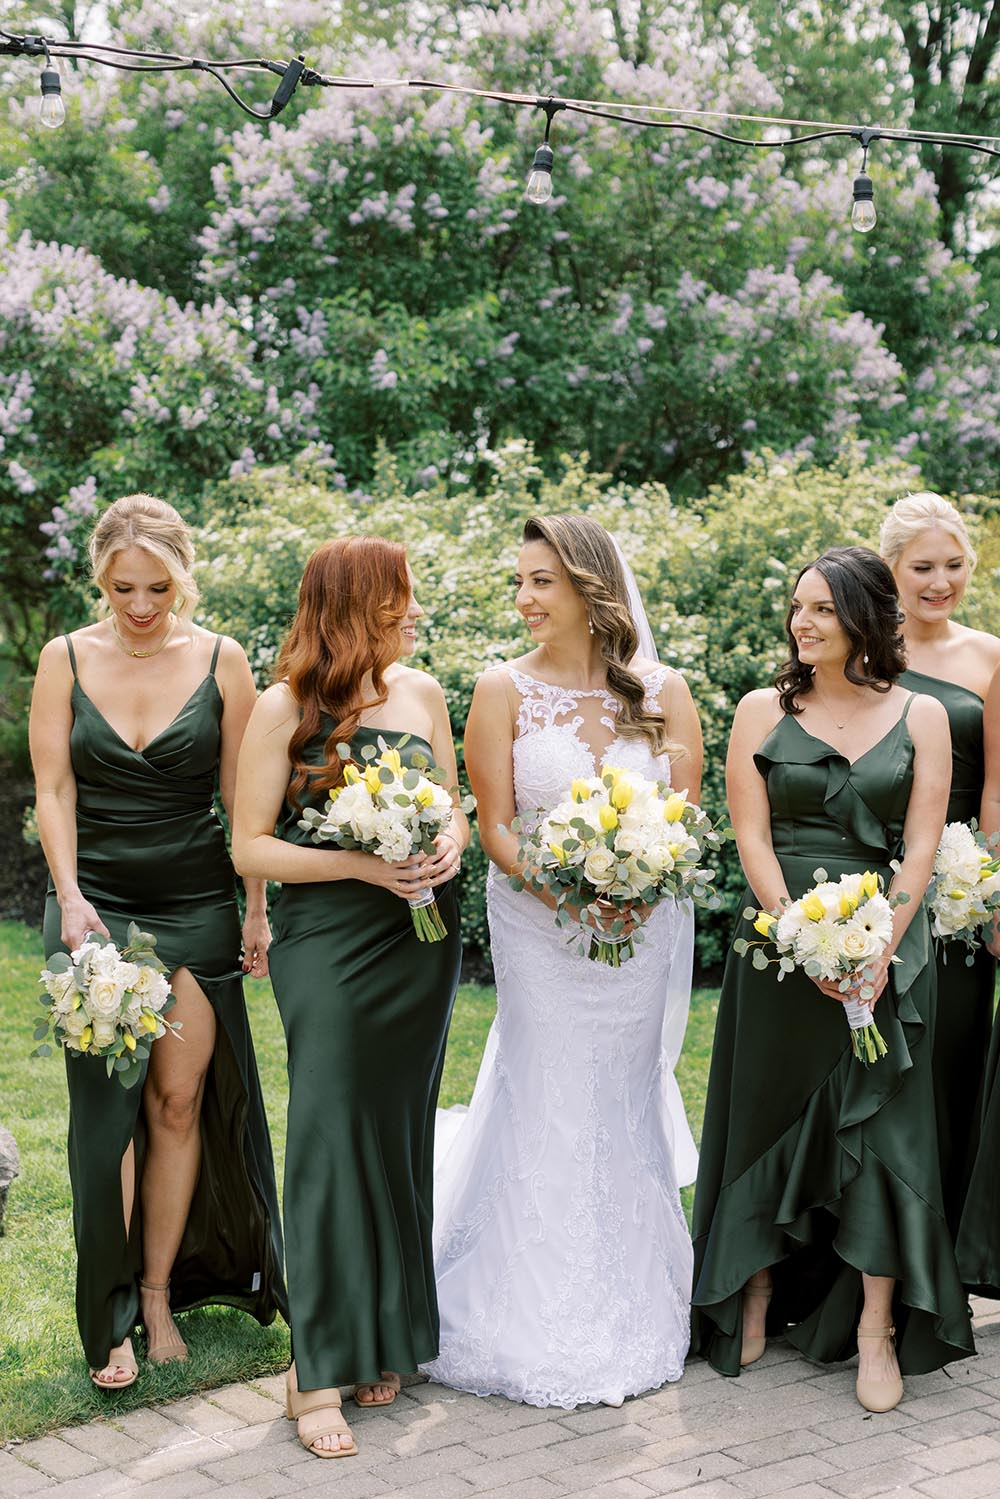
(366,1008)
(151,849)
(810,1162)
(965,994)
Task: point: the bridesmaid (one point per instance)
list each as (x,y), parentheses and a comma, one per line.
(133,720)
(364,1006)
(925,542)
(819,1183)
(978,1246)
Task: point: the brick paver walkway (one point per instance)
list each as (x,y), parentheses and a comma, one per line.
(784,1428)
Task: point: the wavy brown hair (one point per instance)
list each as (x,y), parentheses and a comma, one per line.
(588,554)
(352,600)
(864,595)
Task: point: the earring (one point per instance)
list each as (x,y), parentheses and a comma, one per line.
(866,658)
(590,624)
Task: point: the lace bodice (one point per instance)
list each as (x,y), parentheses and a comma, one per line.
(565,732)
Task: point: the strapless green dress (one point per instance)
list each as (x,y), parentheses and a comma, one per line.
(151,849)
(965,994)
(365,1007)
(810,1162)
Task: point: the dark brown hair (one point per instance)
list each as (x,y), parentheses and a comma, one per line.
(864,595)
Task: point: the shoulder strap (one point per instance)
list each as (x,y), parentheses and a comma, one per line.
(72,656)
(215,655)
(906,705)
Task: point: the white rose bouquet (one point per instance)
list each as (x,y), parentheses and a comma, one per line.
(390,810)
(618,840)
(964,891)
(832,932)
(106,1003)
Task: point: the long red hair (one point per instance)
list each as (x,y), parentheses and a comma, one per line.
(352,600)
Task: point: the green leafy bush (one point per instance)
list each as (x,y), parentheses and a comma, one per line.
(715,575)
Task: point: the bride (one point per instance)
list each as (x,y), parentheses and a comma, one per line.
(562,1256)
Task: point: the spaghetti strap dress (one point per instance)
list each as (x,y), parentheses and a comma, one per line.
(812,1163)
(150,849)
(965,992)
(366,1008)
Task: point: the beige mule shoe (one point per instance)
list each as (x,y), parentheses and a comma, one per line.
(879,1395)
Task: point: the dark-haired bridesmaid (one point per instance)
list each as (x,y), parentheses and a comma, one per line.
(365,1007)
(926,543)
(818,1211)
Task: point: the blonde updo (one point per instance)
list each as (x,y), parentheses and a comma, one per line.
(141,520)
(916,513)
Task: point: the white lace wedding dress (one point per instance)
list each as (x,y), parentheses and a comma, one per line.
(562,1256)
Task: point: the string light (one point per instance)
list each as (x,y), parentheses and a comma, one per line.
(863,215)
(539,188)
(294,74)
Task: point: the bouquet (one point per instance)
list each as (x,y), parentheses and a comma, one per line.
(964,890)
(832,932)
(387,809)
(618,840)
(105,1003)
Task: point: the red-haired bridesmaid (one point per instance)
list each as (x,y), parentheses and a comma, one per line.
(364,1006)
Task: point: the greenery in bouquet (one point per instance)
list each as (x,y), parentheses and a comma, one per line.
(103,1002)
(833,932)
(618,843)
(392,810)
(963,896)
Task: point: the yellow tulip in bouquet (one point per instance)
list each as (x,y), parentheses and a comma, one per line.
(618,841)
(106,1003)
(832,932)
(391,810)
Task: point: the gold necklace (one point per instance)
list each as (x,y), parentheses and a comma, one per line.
(829,713)
(144,655)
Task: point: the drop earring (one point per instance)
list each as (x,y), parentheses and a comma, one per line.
(866,659)
(590,625)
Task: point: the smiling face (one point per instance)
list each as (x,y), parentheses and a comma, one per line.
(546,599)
(820,638)
(140,593)
(931,574)
(408,624)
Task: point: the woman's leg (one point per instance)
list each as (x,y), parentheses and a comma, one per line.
(877,1356)
(119,1367)
(172,1101)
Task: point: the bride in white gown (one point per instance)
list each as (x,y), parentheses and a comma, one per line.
(562,1256)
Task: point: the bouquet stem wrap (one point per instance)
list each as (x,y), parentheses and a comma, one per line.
(866,1042)
(427,922)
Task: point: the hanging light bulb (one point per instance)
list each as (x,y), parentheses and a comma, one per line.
(863,215)
(52,111)
(539,188)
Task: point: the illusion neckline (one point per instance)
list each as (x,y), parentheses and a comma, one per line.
(605,691)
(208,677)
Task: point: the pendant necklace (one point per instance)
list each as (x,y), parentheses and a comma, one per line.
(143,655)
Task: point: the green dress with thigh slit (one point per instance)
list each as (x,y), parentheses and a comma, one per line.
(150,849)
(365,1007)
(812,1163)
(965,992)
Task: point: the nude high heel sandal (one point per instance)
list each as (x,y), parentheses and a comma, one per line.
(753,1348)
(879,1395)
(323,1406)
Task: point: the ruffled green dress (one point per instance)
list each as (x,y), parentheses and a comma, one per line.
(965,993)
(810,1162)
(150,849)
(365,1007)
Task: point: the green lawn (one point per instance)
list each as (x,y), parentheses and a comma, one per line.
(43,1378)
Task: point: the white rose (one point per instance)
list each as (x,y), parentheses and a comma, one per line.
(151,988)
(104,961)
(74,1024)
(599,867)
(104,1032)
(859,942)
(103,997)
(61,988)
